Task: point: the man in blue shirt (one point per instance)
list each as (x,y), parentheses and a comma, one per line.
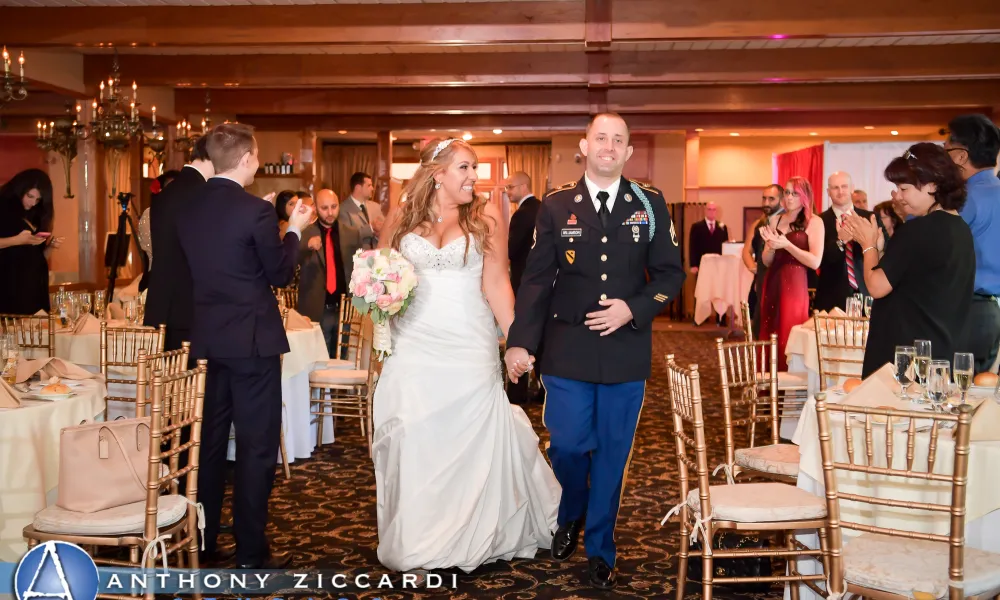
(973,143)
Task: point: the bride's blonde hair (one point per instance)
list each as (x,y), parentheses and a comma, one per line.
(418,209)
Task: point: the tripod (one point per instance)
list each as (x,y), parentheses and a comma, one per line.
(118,248)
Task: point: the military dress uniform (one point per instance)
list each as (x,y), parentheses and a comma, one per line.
(595,385)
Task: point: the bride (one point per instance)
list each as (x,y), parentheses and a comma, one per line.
(459,477)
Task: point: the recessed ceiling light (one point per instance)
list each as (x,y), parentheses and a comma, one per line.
(342,131)
(735,134)
(813,133)
(894,132)
(498,131)
(467,136)
(699,129)
(869,127)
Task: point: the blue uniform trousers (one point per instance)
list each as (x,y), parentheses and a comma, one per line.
(592,427)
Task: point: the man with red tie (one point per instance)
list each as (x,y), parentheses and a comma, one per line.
(326,256)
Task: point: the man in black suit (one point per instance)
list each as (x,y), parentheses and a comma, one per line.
(522,229)
(604,264)
(753,250)
(168,300)
(707,237)
(231,241)
(841,272)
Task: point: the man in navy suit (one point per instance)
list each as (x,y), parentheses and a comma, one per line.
(231,242)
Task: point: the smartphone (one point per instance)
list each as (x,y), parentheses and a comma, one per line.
(43,234)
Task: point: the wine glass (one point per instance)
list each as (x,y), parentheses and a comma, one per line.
(868,306)
(99,303)
(8,358)
(128,306)
(963,371)
(938,381)
(922,362)
(904,368)
(85,302)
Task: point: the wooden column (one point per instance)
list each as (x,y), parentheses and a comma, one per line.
(87,189)
(692,150)
(310,168)
(383,163)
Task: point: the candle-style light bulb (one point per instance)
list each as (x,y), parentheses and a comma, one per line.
(78,109)
(154,115)
(94,106)
(38,124)
(203,126)
(20,62)
(133,111)
(135,92)
(6,60)
(102,91)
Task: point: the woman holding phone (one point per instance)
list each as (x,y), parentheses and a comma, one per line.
(25,242)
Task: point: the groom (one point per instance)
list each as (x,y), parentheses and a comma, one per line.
(604,264)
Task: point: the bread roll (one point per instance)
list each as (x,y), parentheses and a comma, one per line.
(985,380)
(850,384)
(55,389)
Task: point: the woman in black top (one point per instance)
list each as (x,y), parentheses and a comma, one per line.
(25,241)
(923,284)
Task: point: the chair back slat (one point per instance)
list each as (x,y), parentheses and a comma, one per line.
(169,362)
(749,373)
(120,348)
(684,387)
(350,332)
(836,336)
(37,332)
(747,321)
(880,426)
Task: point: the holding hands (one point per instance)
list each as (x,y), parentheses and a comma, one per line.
(518,362)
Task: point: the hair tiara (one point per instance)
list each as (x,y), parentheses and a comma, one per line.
(441,146)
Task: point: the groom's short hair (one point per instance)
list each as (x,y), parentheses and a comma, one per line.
(612,115)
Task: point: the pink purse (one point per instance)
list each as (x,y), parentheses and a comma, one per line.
(103,465)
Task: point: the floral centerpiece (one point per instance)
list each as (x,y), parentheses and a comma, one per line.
(382,284)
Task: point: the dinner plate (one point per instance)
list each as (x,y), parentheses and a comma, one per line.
(37,396)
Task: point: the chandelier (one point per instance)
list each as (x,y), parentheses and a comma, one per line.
(156,140)
(9,92)
(184,139)
(61,136)
(116,122)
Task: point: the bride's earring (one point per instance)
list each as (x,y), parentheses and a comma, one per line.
(437,185)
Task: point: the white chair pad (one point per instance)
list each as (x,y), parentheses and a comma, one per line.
(130,518)
(788,380)
(779,459)
(760,502)
(336,363)
(900,566)
(339,376)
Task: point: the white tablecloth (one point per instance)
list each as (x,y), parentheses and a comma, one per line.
(29,459)
(723,283)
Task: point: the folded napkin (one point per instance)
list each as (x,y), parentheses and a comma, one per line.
(810,325)
(41,313)
(986,422)
(52,367)
(9,398)
(114,311)
(837,312)
(879,389)
(297,322)
(88,323)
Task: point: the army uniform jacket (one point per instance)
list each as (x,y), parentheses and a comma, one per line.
(575,263)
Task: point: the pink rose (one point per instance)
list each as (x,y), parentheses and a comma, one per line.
(360,290)
(394,277)
(377,289)
(383,301)
(397,297)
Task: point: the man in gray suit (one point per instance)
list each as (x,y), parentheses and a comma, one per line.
(354,210)
(326,255)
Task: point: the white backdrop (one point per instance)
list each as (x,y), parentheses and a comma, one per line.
(866,163)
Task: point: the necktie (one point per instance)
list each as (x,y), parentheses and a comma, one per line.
(849,258)
(364,212)
(331,264)
(711,227)
(604,213)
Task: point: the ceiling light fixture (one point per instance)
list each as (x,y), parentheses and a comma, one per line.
(869,127)
(813,133)
(342,131)
(498,131)
(735,134)
(894,132)
(699,129)
(467,136)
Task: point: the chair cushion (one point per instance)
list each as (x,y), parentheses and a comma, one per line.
(900,566)
(336,363)
(779,459)
(788,380)
(129,518)
(338,376)
(760,502)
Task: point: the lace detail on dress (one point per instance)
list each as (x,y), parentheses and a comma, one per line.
(426,257)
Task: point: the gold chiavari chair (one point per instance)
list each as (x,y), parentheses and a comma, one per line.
(120,355)
(839,339)
(707,509)
(790,385)
(284,409)
(750,386)
(339,392)
(32,332)
(886,563)
(165,523)
(349,337)
(747,321)
(170,362)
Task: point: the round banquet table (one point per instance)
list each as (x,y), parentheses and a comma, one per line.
(29,458)
(723,283)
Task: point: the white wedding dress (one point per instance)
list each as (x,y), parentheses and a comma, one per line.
(460,479)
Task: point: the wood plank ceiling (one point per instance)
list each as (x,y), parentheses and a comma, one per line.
(535,65)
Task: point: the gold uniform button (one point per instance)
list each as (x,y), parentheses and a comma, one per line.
(604,240)
(571,240)
(555,316)
(604,276)
(604,296)
(604,258)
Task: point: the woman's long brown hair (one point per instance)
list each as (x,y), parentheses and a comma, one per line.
(418,209)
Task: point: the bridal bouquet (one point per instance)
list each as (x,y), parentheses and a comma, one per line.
(382,284)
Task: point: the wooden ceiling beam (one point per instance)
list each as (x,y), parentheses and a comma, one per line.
(639,20)
(347,24)
(580,100)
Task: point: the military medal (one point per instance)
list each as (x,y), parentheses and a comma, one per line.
(635,233)
(578,198)
(571,220)
(628,197)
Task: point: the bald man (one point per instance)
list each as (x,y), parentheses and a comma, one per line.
(326,254)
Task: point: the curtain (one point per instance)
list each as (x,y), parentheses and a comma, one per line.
(808,163)
(865,163)
(342,161)
(534,160)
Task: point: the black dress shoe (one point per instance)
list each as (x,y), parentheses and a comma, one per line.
(565,540)
(601,575)
(216,557)
(272,563)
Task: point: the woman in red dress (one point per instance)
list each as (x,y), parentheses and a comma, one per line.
(793,242)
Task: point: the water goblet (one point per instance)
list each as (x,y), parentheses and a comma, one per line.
(938,381)
(922,362)
(963,370)
(904,368)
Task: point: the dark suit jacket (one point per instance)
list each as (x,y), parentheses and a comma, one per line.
(169,300)
(703,242)
(832,287)
(230,238)
(522,229)
(312,277)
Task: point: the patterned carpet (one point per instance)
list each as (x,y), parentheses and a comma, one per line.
(325,515)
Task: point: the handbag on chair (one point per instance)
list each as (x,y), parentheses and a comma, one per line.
(103,465)
(751,566)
